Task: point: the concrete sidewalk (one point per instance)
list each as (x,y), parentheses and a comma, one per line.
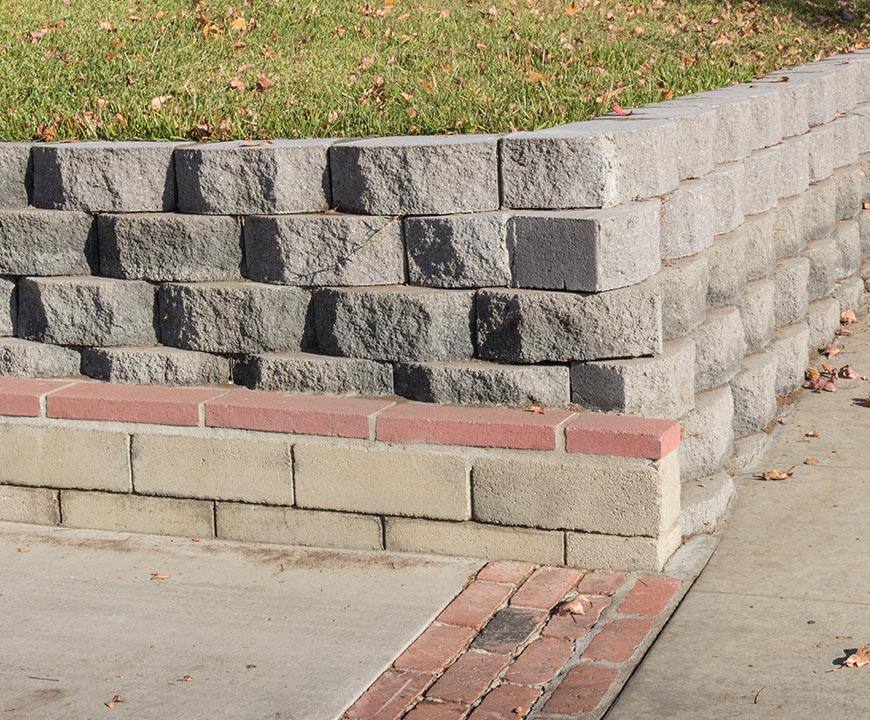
(787,594)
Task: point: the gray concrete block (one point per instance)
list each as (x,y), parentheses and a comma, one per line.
(658,386)
(823,321)
(790,344)
(170,246)
(35,359)
(687,224)
(703,504)
(246,178)
(309,373)
(395,323)
(530,326)
(156,365)
(820,209)
(761,181)
(586,250)
(15,174)
(864,231)
(765,111)
(847,139)
(794,98)
(863,114)
(726,185)
(327,249)
(791,278)
(821,152)
(684,286)
(757,311)
(416,175)
(849,180)
(477,382)
(234,317)
(824,256)
(849,77)
(694,129)
(104,176)
(708,434)
(794,165)
(38,506)
(864,162)
(86,311)
(760,257)
(823,95)
(46,242)
(8,306)
(850,293)
(458,251)
(788,226)
(727,258)
(598,163)
(732,139)
(719,348)
(754,393)
(847,237)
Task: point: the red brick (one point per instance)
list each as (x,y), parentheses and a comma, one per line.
(574,627)
(508,629)
(130,403)
(650,595)
(429,710)
(435,649)
(469,677)
(602,583)
(474,606)
(622,435)
(618,640)
(505,571)
(582,690)
(540,662)
(390,695)
(506,702)
(334,416)
(21,396)
(546,587)
(473,426)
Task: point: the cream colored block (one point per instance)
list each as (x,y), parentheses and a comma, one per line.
(29,505)
(614,552)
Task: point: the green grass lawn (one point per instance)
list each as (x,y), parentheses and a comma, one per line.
(174,69)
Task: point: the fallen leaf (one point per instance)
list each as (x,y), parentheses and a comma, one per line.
(811,461)
(196,539)
(264,82)
(237,85)
(159,576)
(536,410)
(867,401)
(577,606)
(571,9)
(859,658)
(116,699)
(828,368)
(158,102)
(239,24)
(848,372)
(37,35)
(812,374)
(830,350)
(23,549)
(129,80)
(106,25)
(618,110)
(866,205)
(186,678)
(778,474)
(536,77)
(812,433)
(848,316)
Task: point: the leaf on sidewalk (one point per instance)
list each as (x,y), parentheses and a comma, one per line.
(811,461)
(859,658)
(23,549)
(848,372)
(830,350)
(159,576)
(116,699)
(778,474)
(812,433)
(847,316)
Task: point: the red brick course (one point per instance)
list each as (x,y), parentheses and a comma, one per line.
(21,397)
(540,662)
(574,627)
(429,710)
(582,689)
(435,649)
(390,695)
(475,605)
(546,587)
(650,596)
(622,435)
(469,677)
(506,701)
(602,583)
(618,640)
(505,571)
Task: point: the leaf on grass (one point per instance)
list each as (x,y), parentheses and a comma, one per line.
(619,110)
(237,85)
(239,24)
(116,699)
(264,82)
(778,474)
(847,317)
(859,658)
(533,76)
(811,461)
(159,576)
(37,35)
(158,102)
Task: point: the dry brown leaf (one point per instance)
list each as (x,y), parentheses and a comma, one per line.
(237,85)
(811,461)
(23,549)
(848,372)
(577,606)
(619,110)
(196,539)
(778,474)
(158,102)
(106,25)
(866,205)
(859,658)
(186,678)
(159,576)
(848,316)
(239,24)
(116,699)
(264,82)
(812,374)
(37,35)
(536,410)
(535,77)
(812,433)
(830,350)
(571,9)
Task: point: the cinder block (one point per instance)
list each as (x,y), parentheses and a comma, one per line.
(847,237)
(64,458)
(761,179)
(758,313)
(136,514)
(820,209)
(586,250)
(415,175)
(658,386)
(156,365)
(791,278)
(865,170)
(726,184)
(214,468)
(864,231)
(392,482)
(35,359)
(824,256)
(234,317)
(477,382)
(395,323)
(694,129)
(472,539)
(458,251)
(733,137)
(612,552)
(170,246)
(765,111)
(850,293)
(684,285)
(38,506)
(104,176)
(289,526)
(708,434)
(754,393)
(794,168)
(531,326)
(687,223)
(788,226)
(327,249)
(309,373)
(849,180)
(794,98)
(760,254)
(15,174)
(46,242)
(597,163)
(789,344)
(823,95)
(621,496)
(247,178)
(846,137)
(727,258)
(823,320)
(821,152)
(86,311)
(719,348)
(8,306)
(849,77)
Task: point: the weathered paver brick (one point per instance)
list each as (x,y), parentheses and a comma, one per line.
(38,506)
(46,242)
(505,571)
(506,701)
(582,690)
(469,677)
(602,583)
(429,710)
(435,648)
(650,595)
(546,587)
(823,320)
(22,397)
(540,662)
(508,629)
(15,171)
(574,627)
(618,640)
(36,359)
(475,605)
(390,695)
(158,365)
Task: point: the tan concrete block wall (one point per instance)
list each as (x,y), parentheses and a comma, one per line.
(621,553)
(29,505)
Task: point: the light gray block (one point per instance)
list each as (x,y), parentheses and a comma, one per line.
(788,226)
(170,246)
(687,224)
(823,95)
(727,258)
(794,98)
(765,111)
(757,311)
(245,178)
(395,323)
(531,326)
(760,254)
(726,185)
(659,386)
(864,162)
(708,434)
(326,249)
(794,166)
(104,176)
(477,382)
(46,242)
(761,182)
(791,278)
(86,311)
(234,317)
(35,359)
(155,366)
(820,209)
(849,180)
(846,139)
(789,344)
(585,250)
(719,348)
(416,175)
(823,320)
(864,231)
(754,393)
(8,306)
(458,251)
(684,286)
(820,154)
(847,237)
(15,172)
(694,129)
(732,139)
(850,293)
(824,256)
(309,373)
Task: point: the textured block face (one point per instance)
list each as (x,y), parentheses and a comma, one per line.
(794,166)
(8,307)
(29,505)
(788,226)
(476,382)
(170,247)
(848,240)
(760,257)
(416,175)
(719,348)
(585,250)
(765,111)
(308,373)
(791,279)
(850,293)
(794,97)
(86,311)
(757,312)
(684,285)
(395,323)
(46,242)
(318,250)
(849,181)
(104,176)
(240,178)
(708,434)
(754,393)
(824,256)
(458,251)
(687,223)
(726,185)
(761,180)
(36,359)
(820,154)
(790,347)
(154,366)
(823,320)
(613,552)
(233,317)
(864,231)
(661,386)
(529,326)
(15,169)
(823,93)
(846,134)
(727,268)
(820,209)
(733,135)
(694,128)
